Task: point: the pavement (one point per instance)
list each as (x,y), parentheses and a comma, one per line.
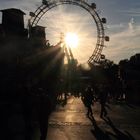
(70,122)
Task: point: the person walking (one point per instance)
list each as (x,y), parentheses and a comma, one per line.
(43,111)
(103,99)
(88,99)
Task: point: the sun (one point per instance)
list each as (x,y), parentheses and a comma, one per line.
(71,39)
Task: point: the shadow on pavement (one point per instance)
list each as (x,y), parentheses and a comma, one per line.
(131,106)
(98,133)
(118,134)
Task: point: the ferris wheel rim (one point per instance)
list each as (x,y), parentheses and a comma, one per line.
(44,8)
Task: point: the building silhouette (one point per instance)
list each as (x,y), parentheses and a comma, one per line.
(24,54)
(38,36)
(13,22)
(130,77)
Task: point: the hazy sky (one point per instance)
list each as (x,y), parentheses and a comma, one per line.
(123,25)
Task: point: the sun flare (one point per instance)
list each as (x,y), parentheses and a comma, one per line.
(71,39)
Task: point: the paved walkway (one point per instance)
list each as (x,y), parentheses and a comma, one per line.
(70,123)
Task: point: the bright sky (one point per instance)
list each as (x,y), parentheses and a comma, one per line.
(123,25)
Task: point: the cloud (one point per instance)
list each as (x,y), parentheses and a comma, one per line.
(125,43)
(135,12)
(125,37)
(131,24)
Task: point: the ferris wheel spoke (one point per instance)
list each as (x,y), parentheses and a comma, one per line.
(90,8)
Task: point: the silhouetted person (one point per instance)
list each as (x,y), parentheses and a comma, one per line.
(87,99)
(27,110)
(43,112)
(103,99)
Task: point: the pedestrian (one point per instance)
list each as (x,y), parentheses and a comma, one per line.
(103,99)
(88,99)
(43,111)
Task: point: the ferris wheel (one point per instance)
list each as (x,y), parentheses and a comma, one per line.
(90,8)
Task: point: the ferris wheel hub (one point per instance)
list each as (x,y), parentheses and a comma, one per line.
(90,8)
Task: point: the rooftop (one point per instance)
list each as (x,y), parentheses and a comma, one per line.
(13,10)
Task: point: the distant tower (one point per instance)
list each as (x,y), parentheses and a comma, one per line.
(38,36)
(13,21)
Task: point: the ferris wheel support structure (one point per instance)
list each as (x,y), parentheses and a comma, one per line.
(90,8)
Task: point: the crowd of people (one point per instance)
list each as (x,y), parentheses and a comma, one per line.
(35,106)
(89,98)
